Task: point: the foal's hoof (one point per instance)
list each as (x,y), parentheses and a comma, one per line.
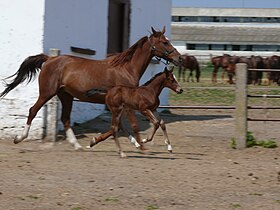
(169,148)
(92,142)
(79,148)
(17,139)
(123,155)
(144,141)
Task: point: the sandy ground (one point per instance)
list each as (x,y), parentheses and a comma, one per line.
(203,172)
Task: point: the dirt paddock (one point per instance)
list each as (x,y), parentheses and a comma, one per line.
(203,172)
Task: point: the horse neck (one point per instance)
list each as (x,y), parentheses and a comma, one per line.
(156,84)
(141,59)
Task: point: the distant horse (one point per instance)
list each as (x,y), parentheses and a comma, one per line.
(219,62)
(189,62)
(144,99)
(255,77)
(272,62)
(68,76)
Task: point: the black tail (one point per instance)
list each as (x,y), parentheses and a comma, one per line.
(27,71)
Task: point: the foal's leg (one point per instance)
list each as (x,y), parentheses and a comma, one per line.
(116,115)
(133,122)
(42,99)
(155,119)
(67,102)
(149,114)
(166,139)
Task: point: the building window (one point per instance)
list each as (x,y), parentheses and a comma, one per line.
(229,47)
(226,19)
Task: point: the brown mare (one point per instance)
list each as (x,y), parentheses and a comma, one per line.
(144,99)
(68,76)
(189,62)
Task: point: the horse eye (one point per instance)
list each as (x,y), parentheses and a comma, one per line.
(165,43)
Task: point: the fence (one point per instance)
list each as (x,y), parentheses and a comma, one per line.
(241,107)
(50,111)
(241,117)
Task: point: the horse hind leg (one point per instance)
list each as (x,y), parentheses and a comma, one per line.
(32,114)
(116,115)
(67,103)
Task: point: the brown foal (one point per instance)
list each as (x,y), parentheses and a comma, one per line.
(144,99)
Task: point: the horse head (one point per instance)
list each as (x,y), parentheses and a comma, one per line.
(162,47)
(171,82)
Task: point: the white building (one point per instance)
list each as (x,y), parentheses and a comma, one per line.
(204,28)
(34,26)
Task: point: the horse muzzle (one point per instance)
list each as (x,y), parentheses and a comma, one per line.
(179,90)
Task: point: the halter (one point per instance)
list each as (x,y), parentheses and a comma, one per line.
(166,52)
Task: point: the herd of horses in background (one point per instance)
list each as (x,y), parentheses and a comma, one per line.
(228,63)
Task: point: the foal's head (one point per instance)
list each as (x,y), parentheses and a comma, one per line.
(162,47)
(171,82)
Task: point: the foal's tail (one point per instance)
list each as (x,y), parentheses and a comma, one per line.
(27,71)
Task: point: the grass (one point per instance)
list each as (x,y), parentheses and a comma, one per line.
(224,95)
(251,141)
(152,207)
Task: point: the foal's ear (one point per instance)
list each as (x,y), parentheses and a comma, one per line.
(163,30)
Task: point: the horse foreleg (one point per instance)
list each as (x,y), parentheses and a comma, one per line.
(190,76)
(149,115)
(67,103)
(214,74)
(32,114)
(166,139)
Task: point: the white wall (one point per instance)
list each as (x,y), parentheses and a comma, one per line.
(21,32)
(79,24)
(31,27)
(144,14)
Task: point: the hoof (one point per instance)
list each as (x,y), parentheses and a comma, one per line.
(92,142)
(169,148)
(123,155)
(17,139)
(144,141)
(79,148)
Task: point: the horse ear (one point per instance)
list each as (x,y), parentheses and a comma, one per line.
(163,30)
(153,30)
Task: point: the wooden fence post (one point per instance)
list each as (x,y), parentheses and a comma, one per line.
(241,103)
(51,111)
